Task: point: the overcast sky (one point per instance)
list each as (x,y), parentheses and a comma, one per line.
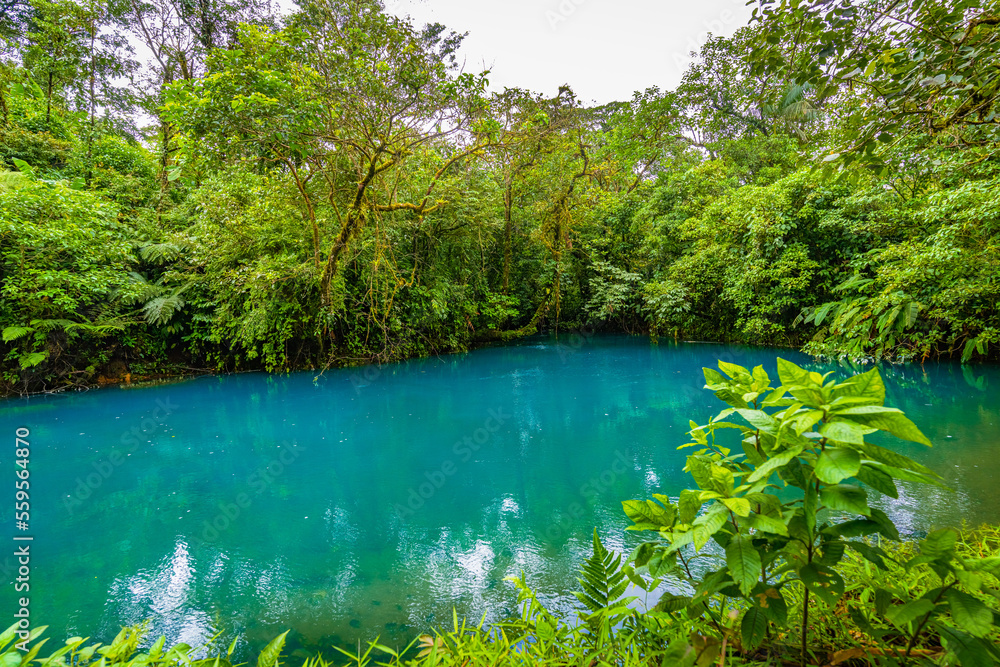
(605,49)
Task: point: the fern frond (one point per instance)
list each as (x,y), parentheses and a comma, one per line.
(160,253)
(13,333)
(604,582)
(162,309)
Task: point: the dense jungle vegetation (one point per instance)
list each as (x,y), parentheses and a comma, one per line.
(212,185)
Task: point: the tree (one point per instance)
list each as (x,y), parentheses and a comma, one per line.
(57,46)
(342,99)
(925,68)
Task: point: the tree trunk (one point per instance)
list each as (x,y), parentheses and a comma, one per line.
(91,104)
(507,205)
(48,103)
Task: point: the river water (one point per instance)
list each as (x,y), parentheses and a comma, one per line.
(372,501)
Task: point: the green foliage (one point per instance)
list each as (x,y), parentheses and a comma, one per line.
(339,190)
(123,650)
(928,65)
(786,500)
(65,276)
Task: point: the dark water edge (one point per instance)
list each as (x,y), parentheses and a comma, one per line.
(339,542)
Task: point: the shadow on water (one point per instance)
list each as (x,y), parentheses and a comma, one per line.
(370,502)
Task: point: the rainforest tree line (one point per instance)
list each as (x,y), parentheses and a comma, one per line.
(216,185)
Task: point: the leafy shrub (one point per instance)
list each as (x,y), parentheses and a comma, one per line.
(786,502)
(65,263)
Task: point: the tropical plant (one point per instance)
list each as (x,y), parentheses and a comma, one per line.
(785,500)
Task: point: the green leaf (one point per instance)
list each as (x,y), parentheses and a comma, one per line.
(878,480)
(843,431)
(904,615)
(870,553)
(736,372)
(13,333)
(824,582)
(649,515)
(753,627)
(767,524)
(23,167)
(887,419)
(939,543)
(774,463)
(894,459)
(272,652)
(845,498)
(906,475)
(836,464)
(970,651)
(969,613)
(33,359)
(790,374)
(670,602)
(708,524)
(688,506)
(744,563)
(760,420)
(886,527)
(739,506)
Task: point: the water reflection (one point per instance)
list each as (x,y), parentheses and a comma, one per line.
(348,510)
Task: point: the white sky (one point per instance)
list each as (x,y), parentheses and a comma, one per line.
(604,49)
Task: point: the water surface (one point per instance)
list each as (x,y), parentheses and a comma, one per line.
(372,501)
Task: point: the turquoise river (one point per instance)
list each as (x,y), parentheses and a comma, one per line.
(372,501)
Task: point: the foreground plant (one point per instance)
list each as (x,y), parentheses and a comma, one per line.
(786,507)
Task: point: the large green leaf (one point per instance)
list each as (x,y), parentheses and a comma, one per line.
(845,498)
(939,543)
(836,464)
(790,374)
(688,506)
(906,475)
(877,479)
(738,506)
(708,524)
(823,581)
(886,419)
(744,563)
(970,651)
(868,385)
(843,431)
(905,614)
(774,463)
(32,359)
(894,459)
(753,627)
(649,515)
(13,333)
(760,420)
(767,524)
(969,613)
(272,652)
